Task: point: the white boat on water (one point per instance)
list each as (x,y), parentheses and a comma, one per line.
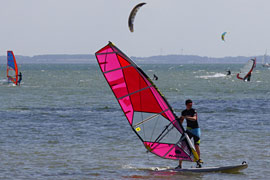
(264,60)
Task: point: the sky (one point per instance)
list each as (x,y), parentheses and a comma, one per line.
(161,27)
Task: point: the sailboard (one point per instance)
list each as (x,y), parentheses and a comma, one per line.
(12,69)
(223,169)
(148,113)
(246,71)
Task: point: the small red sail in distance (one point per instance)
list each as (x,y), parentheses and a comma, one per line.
(146,109)
(12,69)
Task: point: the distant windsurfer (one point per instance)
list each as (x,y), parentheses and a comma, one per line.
(247,78)
(193,129)
(245,72)
(228,72)
(155,77)
(19,78)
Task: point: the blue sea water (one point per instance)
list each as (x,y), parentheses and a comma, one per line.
(64,123)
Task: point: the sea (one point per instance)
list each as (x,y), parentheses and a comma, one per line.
(64,123)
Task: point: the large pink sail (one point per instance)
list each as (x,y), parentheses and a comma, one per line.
(145,108)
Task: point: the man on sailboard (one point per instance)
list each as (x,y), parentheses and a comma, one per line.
(193,129)
(19,78)
(247,77)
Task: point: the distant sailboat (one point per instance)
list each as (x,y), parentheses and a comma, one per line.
(264,60)
(12,69)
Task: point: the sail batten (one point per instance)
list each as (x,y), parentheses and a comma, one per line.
(149,118)
(106,53)
(146,109)
(135,92)
(117,69)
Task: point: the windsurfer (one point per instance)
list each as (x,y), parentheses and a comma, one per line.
(247,77)
(155,77)
(228,72)
(193,129)
(19,78)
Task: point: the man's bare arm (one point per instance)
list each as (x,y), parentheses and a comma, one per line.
(181,119)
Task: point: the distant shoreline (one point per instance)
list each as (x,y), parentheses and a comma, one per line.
(162,59)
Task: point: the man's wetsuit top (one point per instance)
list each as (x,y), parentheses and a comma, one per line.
(191,112)
(19,78)
(193,129)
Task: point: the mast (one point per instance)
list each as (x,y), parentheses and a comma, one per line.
(264,57)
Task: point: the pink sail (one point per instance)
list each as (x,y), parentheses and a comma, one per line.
(145,108)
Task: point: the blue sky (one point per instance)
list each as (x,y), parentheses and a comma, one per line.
(32,27)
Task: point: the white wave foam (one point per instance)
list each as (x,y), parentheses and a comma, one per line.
(217,75)
(128,166)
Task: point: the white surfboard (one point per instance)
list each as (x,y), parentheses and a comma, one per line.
(225,169)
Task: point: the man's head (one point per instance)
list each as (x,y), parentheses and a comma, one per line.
(188,103)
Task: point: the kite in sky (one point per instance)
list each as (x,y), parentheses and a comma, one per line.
(223,36)
(132,16)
